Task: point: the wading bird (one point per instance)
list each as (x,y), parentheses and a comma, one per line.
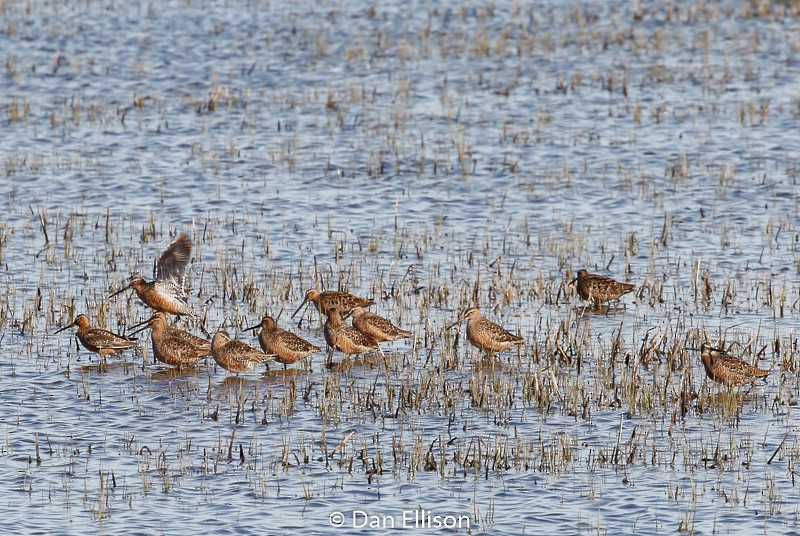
(287,347)
(376,327)
(485,334)
(599,288)
(167,292)
(327,300)
(343,337)
(174,346)
(97,340)
(236,356)
(726,369)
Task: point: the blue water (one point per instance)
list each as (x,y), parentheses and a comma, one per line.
(433,157)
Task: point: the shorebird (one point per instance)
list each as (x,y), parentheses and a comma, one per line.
(236,356)
(175,346)
(726,369)
(99,341)
(287,347)
(376,327)
(327,300)
(485,334)
(599,288)
(343,337)
(167,292)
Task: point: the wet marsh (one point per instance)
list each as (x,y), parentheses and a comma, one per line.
(432,158)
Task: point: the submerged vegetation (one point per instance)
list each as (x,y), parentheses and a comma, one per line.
(475,156)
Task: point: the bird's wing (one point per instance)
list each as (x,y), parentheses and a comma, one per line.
(172,262)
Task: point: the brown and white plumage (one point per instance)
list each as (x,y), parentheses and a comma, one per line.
(167,292)
(599,288)
(724,368)
(343,337)
(97,340)
(287,347)
(485,334)
(175,346)
(171,265)
(329,299)
(236,356)
(376,327)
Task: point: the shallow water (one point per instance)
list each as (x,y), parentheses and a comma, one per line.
(432,157)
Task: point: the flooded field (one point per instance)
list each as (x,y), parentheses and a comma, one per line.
(431,157)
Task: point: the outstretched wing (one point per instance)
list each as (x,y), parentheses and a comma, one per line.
(172,263)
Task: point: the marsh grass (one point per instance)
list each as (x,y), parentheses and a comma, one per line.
(597,394)
(434,405)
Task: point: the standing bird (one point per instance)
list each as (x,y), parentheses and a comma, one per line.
(327,300)
(726,369)
(343,337)
(167,292)
(236,356)
(376,327)
(99,341)
(287,347)
(485,334)
(599,288)
(175,346)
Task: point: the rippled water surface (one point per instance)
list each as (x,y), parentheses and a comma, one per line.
(434,157)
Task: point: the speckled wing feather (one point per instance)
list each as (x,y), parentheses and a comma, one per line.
(246,353)
(724,368)
(376,327)
(96,340)
(349,340)
(599,288)
(178,347)
(488,336)
(287,347)
(340,300)
(345,337)
(236,356)
(189,339)
(173,291)
(171,265)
